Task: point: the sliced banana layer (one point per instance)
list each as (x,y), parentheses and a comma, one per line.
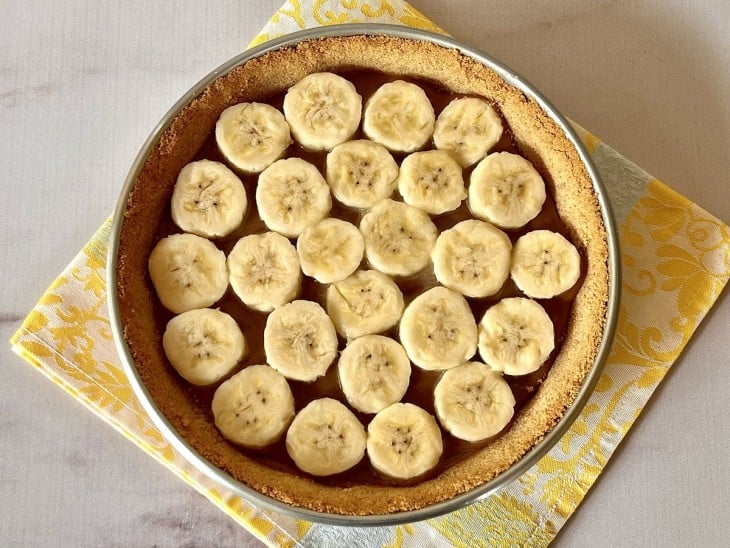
(254,407)
(361,173)
(323,110)
(331,250)
(506,190)
(291,195)
(516,336)
(399,116)
(404,441)
(398,238)
(264,271)
(252,135)
(438,329)
(204,345)
(325,438)
(208,200)
(472,258)
(431,181)
(300,341)
(467,128)
(374,372)
(544,264)
(473,402)
(188,272)
(366,302)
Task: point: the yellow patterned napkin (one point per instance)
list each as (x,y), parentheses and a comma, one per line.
(676,260)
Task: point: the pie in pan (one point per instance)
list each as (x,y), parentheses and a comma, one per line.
(538,396)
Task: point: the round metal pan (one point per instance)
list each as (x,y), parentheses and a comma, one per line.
(478,493)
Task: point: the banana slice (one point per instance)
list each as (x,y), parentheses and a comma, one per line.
(204,345)
(374,372)
(300,341)
(254,407)
(325,438)
(506,190)
(544,264)
(431,181)
(208,200)
(323,110)
(516,336)
(399,116)
(367,302)
(473,402)
(264,271)
(472,258)
(467,128)
(252,136)
(291,195)
(398,238)
(404,441)
(331,250)
(438,329)
(361,173)
(188,272)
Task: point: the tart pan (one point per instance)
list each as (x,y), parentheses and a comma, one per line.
(457,488)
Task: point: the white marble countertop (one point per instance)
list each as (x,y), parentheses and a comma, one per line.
(83,82)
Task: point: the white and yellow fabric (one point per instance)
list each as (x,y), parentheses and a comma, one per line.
(676,260)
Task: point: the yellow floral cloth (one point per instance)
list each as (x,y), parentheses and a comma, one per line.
(676,260)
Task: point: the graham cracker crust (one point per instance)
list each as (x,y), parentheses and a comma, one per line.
(539,139)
